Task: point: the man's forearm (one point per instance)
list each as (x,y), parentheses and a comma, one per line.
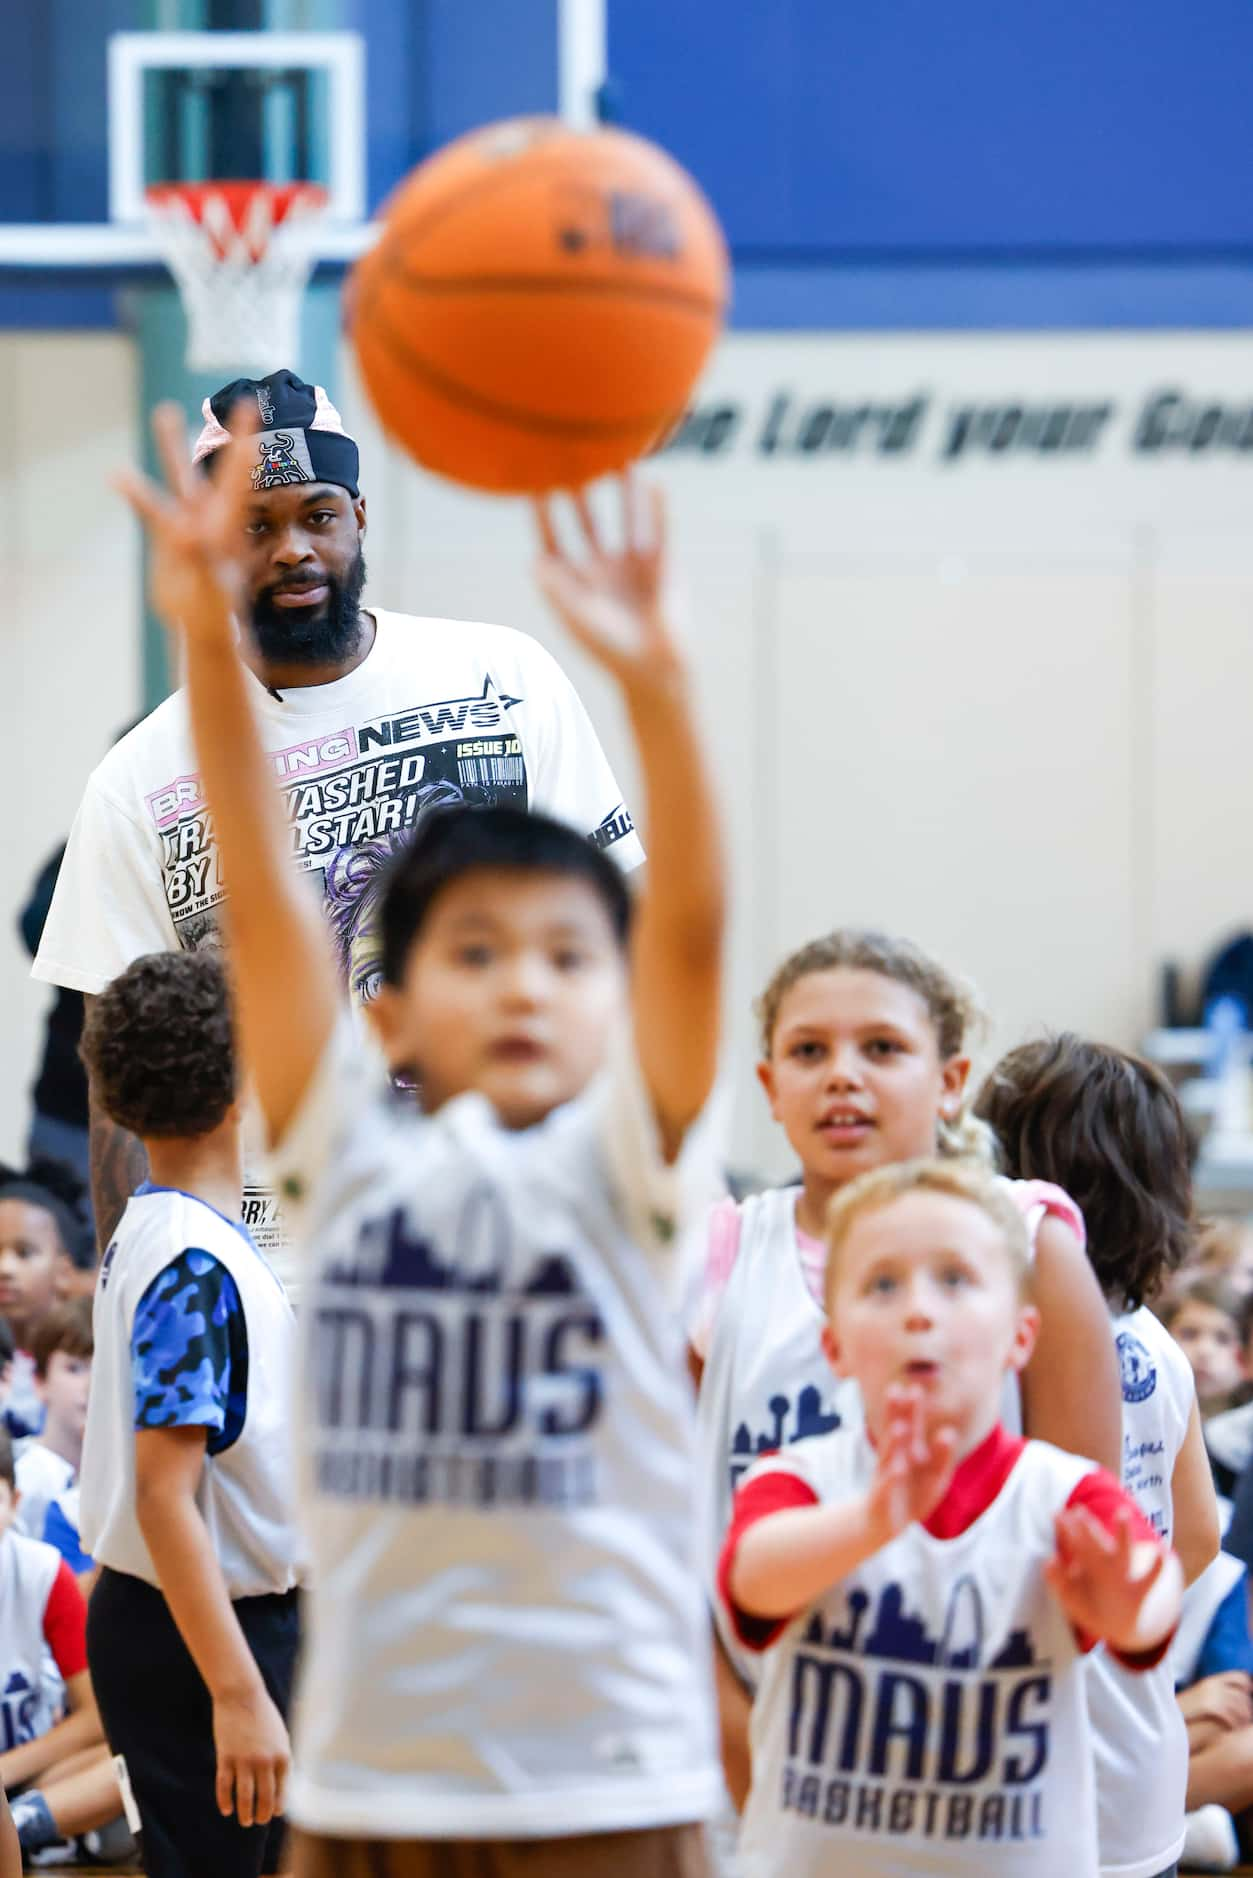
(118,1166)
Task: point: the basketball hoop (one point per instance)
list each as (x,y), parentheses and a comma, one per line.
(241,255)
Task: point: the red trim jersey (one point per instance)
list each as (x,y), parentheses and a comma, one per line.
(41,1610)
(928,1713)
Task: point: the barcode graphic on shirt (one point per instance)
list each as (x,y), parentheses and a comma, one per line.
(491,772)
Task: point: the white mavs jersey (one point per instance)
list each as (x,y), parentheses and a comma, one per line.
(28,1571)
(507,1633)
(927,1714)
(245,1492)
(1139,1737)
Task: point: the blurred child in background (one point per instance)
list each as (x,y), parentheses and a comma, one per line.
(1204,1314)
(45,1242)
(1211,1662)
(48,1463)
(1224,1249)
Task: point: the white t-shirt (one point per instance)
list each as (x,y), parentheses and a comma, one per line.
(245,1493)
(507,1634)
(927,1714)
(41,1476)
(1139,1737)
(439,710)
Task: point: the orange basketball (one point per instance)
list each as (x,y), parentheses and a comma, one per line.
(538,304)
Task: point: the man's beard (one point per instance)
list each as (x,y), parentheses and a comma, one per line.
(284,636)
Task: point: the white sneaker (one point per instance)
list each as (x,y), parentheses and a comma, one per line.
(1210,1843)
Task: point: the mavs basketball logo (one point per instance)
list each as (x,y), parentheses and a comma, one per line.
(902,1729)
(1138,1371)
(468,1374)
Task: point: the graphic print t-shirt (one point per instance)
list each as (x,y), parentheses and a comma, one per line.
(440,711)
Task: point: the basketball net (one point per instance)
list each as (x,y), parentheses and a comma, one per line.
(241,256)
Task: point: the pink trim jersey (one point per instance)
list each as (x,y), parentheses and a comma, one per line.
(42,1613)
(928,1713)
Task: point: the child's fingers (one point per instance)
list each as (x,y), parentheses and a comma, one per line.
(587,521)
(919,1446)
(1147,1577)
(632,512)
(232,486)
(943,1448)
(225,1787)
(657,518)
(546,526)
(245,1794)
(1129,1541)
(264,1807)
(169,431)
(1087,1536)
(643,516)
(150,503)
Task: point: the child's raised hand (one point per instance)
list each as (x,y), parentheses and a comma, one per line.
(195,528)
(610,598)
(915,1464)
(1105,1582)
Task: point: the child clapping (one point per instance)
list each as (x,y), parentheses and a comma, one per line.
(925,1595)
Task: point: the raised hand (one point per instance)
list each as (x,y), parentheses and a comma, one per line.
(610,598)
(1113,1585)
(915,1465)
(195,528)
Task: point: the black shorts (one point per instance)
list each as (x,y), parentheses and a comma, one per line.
(158,1715)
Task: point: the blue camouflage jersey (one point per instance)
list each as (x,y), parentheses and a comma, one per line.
(189,1350)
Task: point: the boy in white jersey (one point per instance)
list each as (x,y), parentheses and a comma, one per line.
(187,1500)
(508,1661)
(924,1596)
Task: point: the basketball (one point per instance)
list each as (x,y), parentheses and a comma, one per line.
(538,305)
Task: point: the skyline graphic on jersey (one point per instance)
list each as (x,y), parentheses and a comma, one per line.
(896,1634)
(811,1419)
(412,1262)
